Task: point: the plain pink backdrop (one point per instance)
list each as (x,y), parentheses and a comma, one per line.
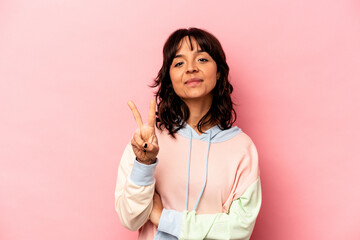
(67,69)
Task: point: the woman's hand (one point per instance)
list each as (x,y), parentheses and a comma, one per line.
(157,209)
(144,142)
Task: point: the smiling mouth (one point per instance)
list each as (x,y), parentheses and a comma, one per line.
(193,81)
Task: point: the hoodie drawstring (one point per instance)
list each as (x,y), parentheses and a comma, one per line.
(188,172)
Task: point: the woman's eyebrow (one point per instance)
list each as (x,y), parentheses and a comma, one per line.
(181,55)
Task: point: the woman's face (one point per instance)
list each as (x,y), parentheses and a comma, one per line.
(193,73)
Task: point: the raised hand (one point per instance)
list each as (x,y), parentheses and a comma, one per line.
(144,142)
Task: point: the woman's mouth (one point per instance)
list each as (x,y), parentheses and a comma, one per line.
(192,82)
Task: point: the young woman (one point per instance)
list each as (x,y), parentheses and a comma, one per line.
(188,173)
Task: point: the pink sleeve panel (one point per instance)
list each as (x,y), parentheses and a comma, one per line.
(247,173)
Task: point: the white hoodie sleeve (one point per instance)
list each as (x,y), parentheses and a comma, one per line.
(134,191)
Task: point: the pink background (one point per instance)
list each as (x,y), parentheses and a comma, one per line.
(67,69)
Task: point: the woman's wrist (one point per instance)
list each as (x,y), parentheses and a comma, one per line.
(146,161)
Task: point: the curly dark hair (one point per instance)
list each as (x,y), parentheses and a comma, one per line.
(172,110)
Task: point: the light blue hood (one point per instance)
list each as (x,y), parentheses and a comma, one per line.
(215,133)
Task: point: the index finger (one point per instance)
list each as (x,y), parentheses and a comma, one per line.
(136,113)
(151,116)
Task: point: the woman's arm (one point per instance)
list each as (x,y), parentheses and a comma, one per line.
(134,191)
(238,223)
(135,183)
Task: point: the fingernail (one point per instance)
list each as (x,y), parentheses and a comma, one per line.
(145,145)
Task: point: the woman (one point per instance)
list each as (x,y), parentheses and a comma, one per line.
(203,182)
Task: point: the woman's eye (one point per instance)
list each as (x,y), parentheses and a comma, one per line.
(203,60)
(178,64)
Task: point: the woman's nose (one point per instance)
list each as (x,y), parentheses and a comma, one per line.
(191,68)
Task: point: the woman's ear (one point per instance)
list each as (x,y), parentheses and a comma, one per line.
(217,76)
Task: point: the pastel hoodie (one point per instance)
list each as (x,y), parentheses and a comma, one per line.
(209,186)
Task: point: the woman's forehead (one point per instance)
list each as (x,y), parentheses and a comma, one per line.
(190,42)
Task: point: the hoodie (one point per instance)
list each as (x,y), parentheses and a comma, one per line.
(209,186)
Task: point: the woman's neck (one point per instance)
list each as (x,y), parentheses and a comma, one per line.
(197,110)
